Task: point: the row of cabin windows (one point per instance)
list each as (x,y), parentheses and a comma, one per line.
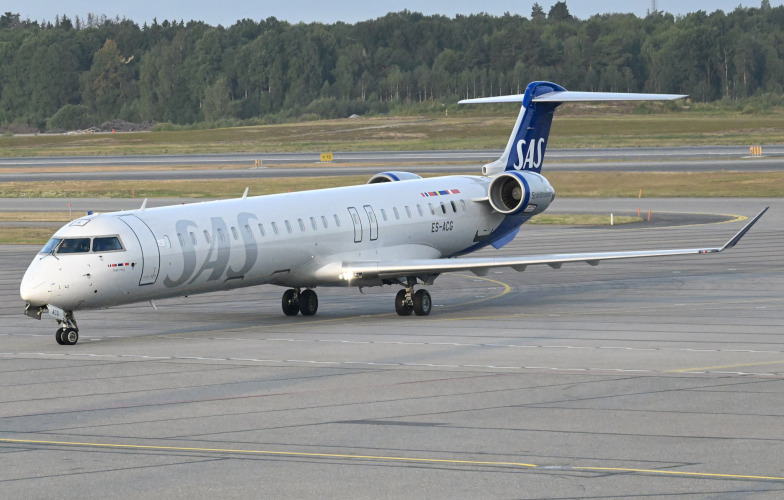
(235,232)
(314,224)
(444,209)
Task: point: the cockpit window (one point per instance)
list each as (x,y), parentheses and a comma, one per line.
(107,244)
(51,245)
(74,245)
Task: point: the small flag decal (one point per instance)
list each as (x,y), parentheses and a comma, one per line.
(443,192)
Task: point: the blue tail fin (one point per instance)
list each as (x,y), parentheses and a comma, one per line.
(528,142)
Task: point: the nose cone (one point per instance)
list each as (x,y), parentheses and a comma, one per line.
(34,289)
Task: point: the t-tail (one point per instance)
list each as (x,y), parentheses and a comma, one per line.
(528,142)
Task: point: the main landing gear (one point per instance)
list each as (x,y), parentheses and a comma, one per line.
(296,301)
(68,333)
(408,301)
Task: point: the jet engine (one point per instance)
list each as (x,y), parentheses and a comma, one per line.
(520,193)
(392,177)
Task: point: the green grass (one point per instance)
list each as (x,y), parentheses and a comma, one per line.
(667,184)
(25,235)
(582,219)
(579,128)
(566,184)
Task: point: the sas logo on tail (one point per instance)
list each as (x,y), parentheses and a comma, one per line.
(533,155)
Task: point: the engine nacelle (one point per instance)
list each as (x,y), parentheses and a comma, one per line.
(520,193)
(392,177)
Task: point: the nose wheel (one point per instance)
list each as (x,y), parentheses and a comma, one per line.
(67,336)
(68,333)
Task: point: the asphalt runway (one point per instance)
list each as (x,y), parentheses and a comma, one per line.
(243,166)
(633,379)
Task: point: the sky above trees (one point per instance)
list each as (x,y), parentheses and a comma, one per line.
(227,12)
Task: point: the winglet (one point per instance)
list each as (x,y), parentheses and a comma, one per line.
(735,239)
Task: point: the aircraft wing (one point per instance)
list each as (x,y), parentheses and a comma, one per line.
(481,265)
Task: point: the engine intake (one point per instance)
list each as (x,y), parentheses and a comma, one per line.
(392,176)
(520,193)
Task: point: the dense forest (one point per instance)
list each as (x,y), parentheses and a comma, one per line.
(75,73)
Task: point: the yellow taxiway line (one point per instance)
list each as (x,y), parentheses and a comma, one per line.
(671,473)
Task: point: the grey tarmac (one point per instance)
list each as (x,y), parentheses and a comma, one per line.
(244,166)
(633,379)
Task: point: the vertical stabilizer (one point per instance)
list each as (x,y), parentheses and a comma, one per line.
(528,142)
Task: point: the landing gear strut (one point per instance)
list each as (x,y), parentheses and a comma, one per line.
(68,333)
(295,301)
(408,301)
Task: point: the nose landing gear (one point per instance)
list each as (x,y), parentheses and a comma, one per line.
(68,333)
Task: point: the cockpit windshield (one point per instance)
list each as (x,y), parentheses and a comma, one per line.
(51,245)
(107,244)
(83,245)
(74,245)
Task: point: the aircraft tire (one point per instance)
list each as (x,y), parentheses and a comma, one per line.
(401,308)
(70,336)
(290,303)
(308,302)
(58,336)
(422,303)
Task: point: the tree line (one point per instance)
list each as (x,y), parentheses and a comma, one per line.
(74,73)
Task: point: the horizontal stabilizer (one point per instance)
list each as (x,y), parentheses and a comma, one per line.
(569,96)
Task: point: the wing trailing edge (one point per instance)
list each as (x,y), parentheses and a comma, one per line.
(481,265)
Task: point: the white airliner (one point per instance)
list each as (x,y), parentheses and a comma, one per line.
(399,229)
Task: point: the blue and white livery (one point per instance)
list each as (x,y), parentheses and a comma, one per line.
(399,229)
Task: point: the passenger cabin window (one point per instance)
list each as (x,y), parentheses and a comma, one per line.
(275,228)
(462,203)
(74,245)
(288,226)
(107,244)
(193,237)
(443,207)
(301,225)
(397,214)
(235,233)
(313,223)
(261,229)
(181,238)
(324,221)
(384,214)
(337,220)
(408,211)
(207,236)
(454,207)
(247,230)
(419,209)
(432,209)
